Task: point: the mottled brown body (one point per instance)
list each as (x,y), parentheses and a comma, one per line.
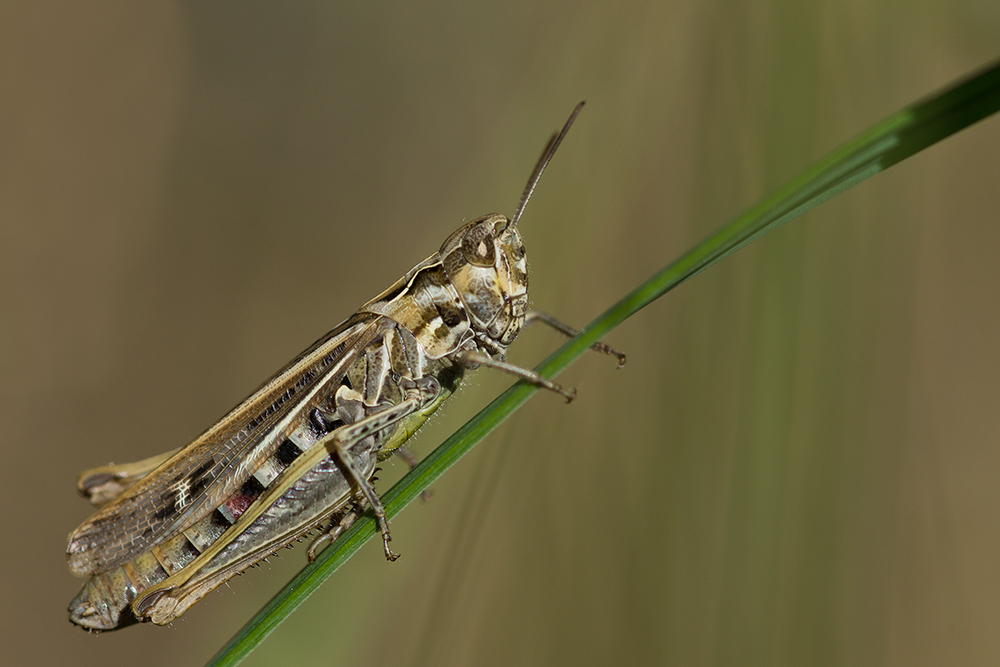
(302,449)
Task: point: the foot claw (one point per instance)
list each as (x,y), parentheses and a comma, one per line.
(389,554)
(607,349)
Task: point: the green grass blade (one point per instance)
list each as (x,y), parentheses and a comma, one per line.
(890,141)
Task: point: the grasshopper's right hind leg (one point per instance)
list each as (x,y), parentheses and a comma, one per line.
(104,484)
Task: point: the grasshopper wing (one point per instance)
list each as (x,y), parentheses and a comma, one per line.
(195,480)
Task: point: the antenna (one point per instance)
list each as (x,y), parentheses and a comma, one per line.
(543,162)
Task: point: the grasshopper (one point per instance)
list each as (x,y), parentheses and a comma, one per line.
(300,453)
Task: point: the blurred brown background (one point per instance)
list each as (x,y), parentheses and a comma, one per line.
(798,465)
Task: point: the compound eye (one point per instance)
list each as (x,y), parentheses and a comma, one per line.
(478,246)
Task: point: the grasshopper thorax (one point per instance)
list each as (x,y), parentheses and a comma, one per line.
(484,261)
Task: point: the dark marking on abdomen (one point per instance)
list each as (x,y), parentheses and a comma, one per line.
(252,488)
(219,519)
(287,452)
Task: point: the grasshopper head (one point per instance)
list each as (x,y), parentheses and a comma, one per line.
(485,262)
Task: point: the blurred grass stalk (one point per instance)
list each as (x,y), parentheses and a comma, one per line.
(894,139)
